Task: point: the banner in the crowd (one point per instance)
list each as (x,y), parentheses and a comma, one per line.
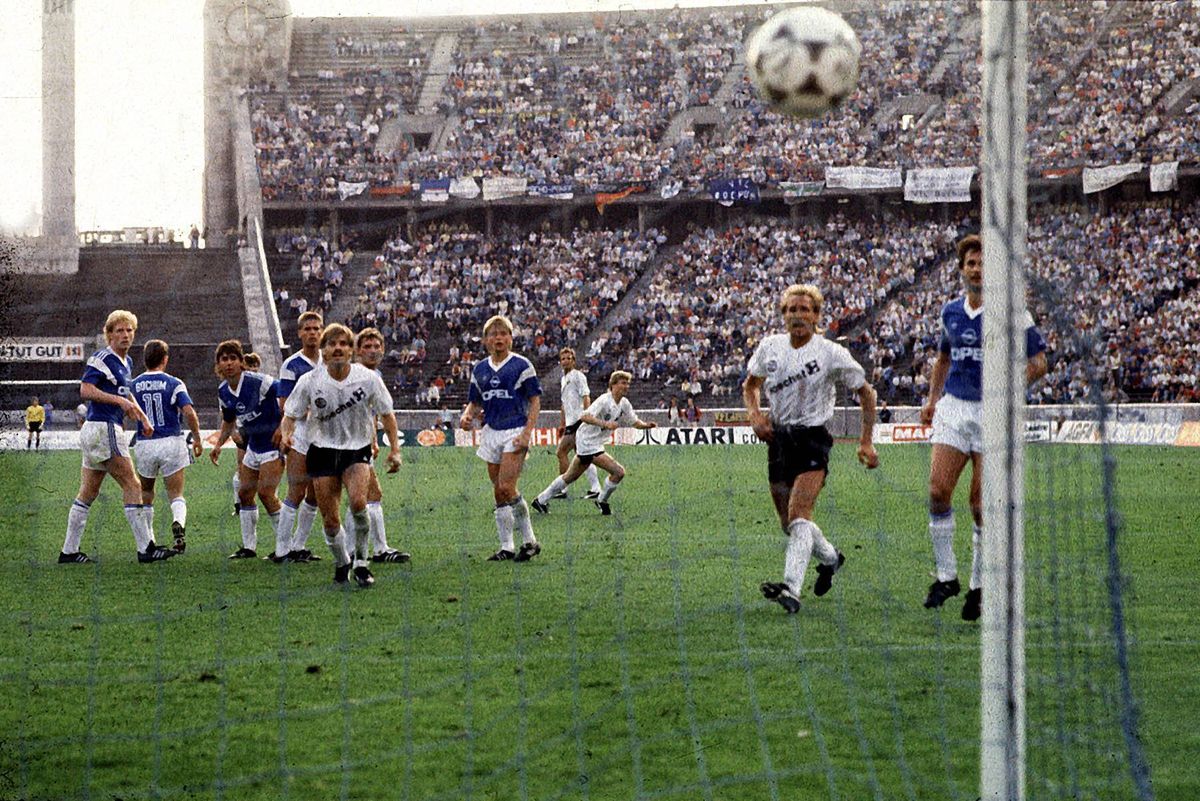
(738,190)
(794,190)
(1096,179)
(1060,172)
(350,189)
(503,186)
(604,198)
(553,191)
(390,191)
(1164,177)
(863,178)
(1037,431)
(436,190)
(40,349)
(465,188)
(670,189)
(939,185)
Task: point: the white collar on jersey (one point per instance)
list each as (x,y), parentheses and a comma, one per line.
(497,367)
(971,311)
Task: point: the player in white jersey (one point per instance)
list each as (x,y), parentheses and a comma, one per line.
(368,351)
(340,400)
(164,399)
(105,386)
(300,505)
(957,418)
(506,395)
(575,395)
(609,412)
(798,371)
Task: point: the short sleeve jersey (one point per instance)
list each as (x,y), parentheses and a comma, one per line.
(109,373)
(573,389)
(162,397)
(254,405)
(504,390)
(341,414)
(296,366)
(962,341)
(590,439)
(800,382)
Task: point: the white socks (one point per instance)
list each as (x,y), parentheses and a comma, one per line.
(336,540)
(76,522)
(361,540)
(556,486)
(148,519)
(941,532)
(283,534)
(179,511)
(504,527)
(593,477)
(976,557)
(521,518)
(249,518)
(378,532)
(305,516)
(799,551)
(610,487)
(137,521)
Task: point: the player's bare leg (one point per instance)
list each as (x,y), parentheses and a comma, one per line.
(945,467)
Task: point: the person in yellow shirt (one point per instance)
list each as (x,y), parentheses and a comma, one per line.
(35,416)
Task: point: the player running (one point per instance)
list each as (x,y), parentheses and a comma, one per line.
(340,400)
(798,370)
(248,401)
(506,395)
(957,418)
(575,397)
(610,411)
(164,399)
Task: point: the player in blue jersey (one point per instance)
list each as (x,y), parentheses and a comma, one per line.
(249,402)
(300,506)
(368,351)
(955,409)
(105,386)
(164,399)
(505,394)
(253,363)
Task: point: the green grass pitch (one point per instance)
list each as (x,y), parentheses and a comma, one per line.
(633,659)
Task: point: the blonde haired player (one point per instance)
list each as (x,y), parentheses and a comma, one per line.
(506,395)
(798,370)
(608,413)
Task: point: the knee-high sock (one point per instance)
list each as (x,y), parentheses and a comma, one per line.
(179,511)
(305,516)
(283,534)
(522,521)
(249,518)
(336,540)
(504,526)
(237,486)
(137,521)
(941,532)
(148,518)
(362,538)
(799,551)
(610,487)
(76,522)
(976,557)
(822,548)
(378,529)
(593,478)
(556,486)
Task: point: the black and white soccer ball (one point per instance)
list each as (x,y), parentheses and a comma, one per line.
(803,61)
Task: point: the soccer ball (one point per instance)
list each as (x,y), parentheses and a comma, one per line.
(803,61)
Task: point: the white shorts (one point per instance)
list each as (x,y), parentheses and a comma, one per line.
(300,441)
(254,460)
(161,457)
(100,442)
(959,424)
(493,443)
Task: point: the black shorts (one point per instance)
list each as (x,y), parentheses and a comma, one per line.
(332,462)
(797,449)
(34,427)
(570,430)
(587,460)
